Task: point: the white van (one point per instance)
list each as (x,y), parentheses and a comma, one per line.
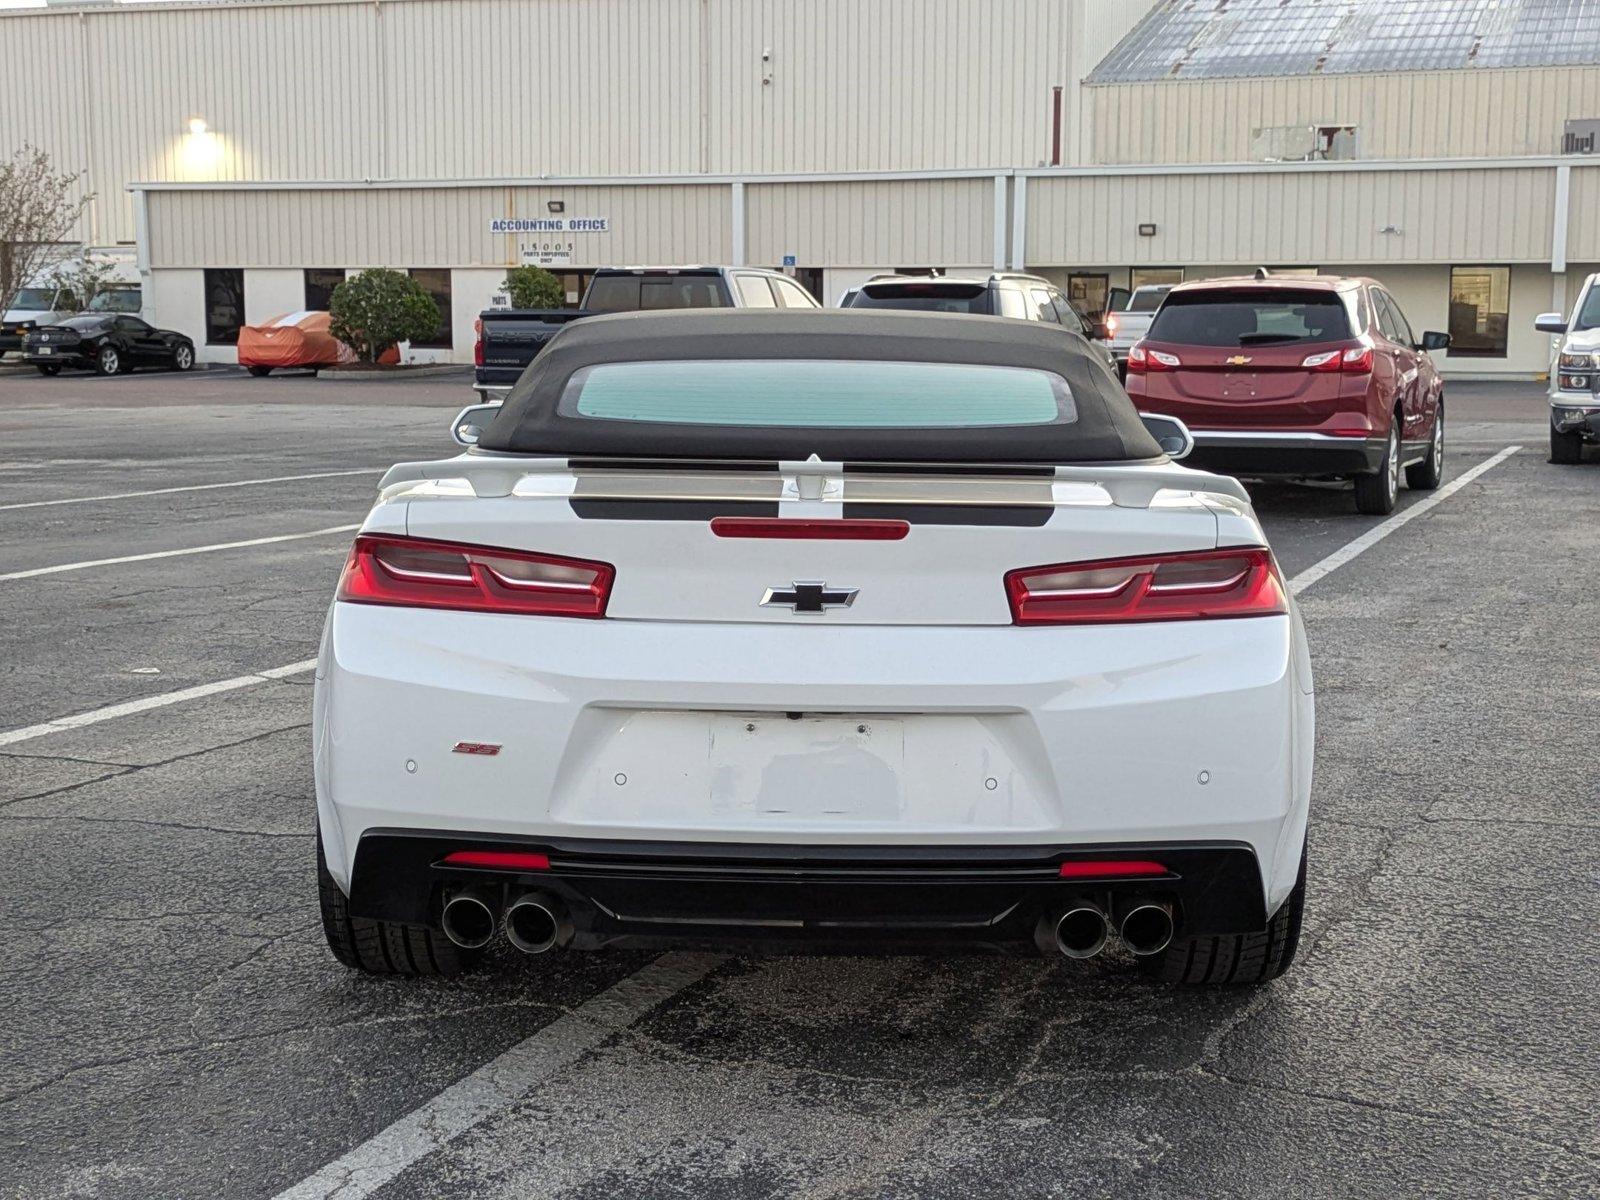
(39,303)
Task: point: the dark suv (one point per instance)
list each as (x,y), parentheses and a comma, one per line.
(1313,377)
(1004,294)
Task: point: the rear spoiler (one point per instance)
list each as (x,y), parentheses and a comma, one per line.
(491,474)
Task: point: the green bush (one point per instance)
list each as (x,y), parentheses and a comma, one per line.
(380,308)
(533,287)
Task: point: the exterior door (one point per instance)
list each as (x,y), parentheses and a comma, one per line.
(1089,294)
(1398,333)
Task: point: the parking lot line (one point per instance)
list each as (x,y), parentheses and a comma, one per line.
(130,558)
(193,487)
(1296,585)
(111,712)
(1383,529)
(500,1083)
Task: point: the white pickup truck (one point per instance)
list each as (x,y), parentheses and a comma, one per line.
(1133,321)
(1575,376)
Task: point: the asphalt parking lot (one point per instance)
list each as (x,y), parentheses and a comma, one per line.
(174,1026)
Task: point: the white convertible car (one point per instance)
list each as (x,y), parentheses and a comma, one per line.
(814,631)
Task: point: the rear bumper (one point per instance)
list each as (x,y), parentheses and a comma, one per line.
(1253,452)
(806,898)
(61,358)
(492,393)
(1196,733)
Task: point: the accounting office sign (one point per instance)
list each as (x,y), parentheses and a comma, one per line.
(548,241)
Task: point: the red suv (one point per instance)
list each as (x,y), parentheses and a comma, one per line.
(1295,376)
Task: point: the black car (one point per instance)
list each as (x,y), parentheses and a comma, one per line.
(1003,294)
(106,343)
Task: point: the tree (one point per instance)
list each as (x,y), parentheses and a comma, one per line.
(81,280)
(380,308)
(533,287)
(38,209)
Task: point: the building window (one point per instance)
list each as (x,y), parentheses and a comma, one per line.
(1480,302)
(436,282)
(320,282)
(224,288)
(1303,143)
(1154,276)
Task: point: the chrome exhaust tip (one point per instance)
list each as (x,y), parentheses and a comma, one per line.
(1081,931)
(1146,929)
(468,919)
(536,923)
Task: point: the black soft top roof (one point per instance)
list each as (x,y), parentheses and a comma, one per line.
(1108,428)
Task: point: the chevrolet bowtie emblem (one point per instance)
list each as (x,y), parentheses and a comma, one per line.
(1238,360)
(808,597)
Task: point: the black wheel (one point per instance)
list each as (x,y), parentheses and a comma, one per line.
(183,357)
(108,361)
(1376,493)
(1427,474)
(48,368)
(1238,958)
(1565,447)
(384,947)
(259,372)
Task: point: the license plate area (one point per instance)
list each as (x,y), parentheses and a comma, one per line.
(767,771)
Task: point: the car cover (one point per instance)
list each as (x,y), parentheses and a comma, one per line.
(297,339)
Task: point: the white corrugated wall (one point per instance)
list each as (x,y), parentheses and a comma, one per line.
(343,90)
(1291,217)
(1412,114)
(429,227)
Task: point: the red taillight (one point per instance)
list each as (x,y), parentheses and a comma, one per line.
(1106,868)
(1327,360)
(422,573)
(1169,587)
(1357,361)
(1142,358)
(497,860)
(847,530)
(477,343)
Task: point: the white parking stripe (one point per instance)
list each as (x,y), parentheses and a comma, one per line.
(193,487)
(110,713)
(1378,532)
(500,1083)
(130,558)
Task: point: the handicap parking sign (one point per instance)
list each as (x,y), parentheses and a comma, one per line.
(789,261)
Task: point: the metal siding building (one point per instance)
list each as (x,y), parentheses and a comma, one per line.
(851,135)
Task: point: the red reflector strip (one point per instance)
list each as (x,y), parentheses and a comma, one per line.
(498,860)
(486,748)
(843,530)
(1105,869)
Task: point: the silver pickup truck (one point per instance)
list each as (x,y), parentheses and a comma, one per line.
(1575,375)
(1133,321)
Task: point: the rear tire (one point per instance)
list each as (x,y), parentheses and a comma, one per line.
(1429,473)
(108,361)
(1565,447)
(259,372)
(48,369)
(384,947)
(1238,958)
(1377,493)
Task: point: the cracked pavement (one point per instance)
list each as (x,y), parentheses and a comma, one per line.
(176,1028)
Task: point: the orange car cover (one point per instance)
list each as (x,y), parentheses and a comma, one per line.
(298,339)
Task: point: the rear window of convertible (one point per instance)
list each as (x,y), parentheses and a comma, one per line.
(819,393)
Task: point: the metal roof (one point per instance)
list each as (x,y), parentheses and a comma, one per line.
(1238,39)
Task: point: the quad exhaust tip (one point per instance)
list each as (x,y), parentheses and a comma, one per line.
(1081,931)
(1146,929)
(468,918)
(536,923)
